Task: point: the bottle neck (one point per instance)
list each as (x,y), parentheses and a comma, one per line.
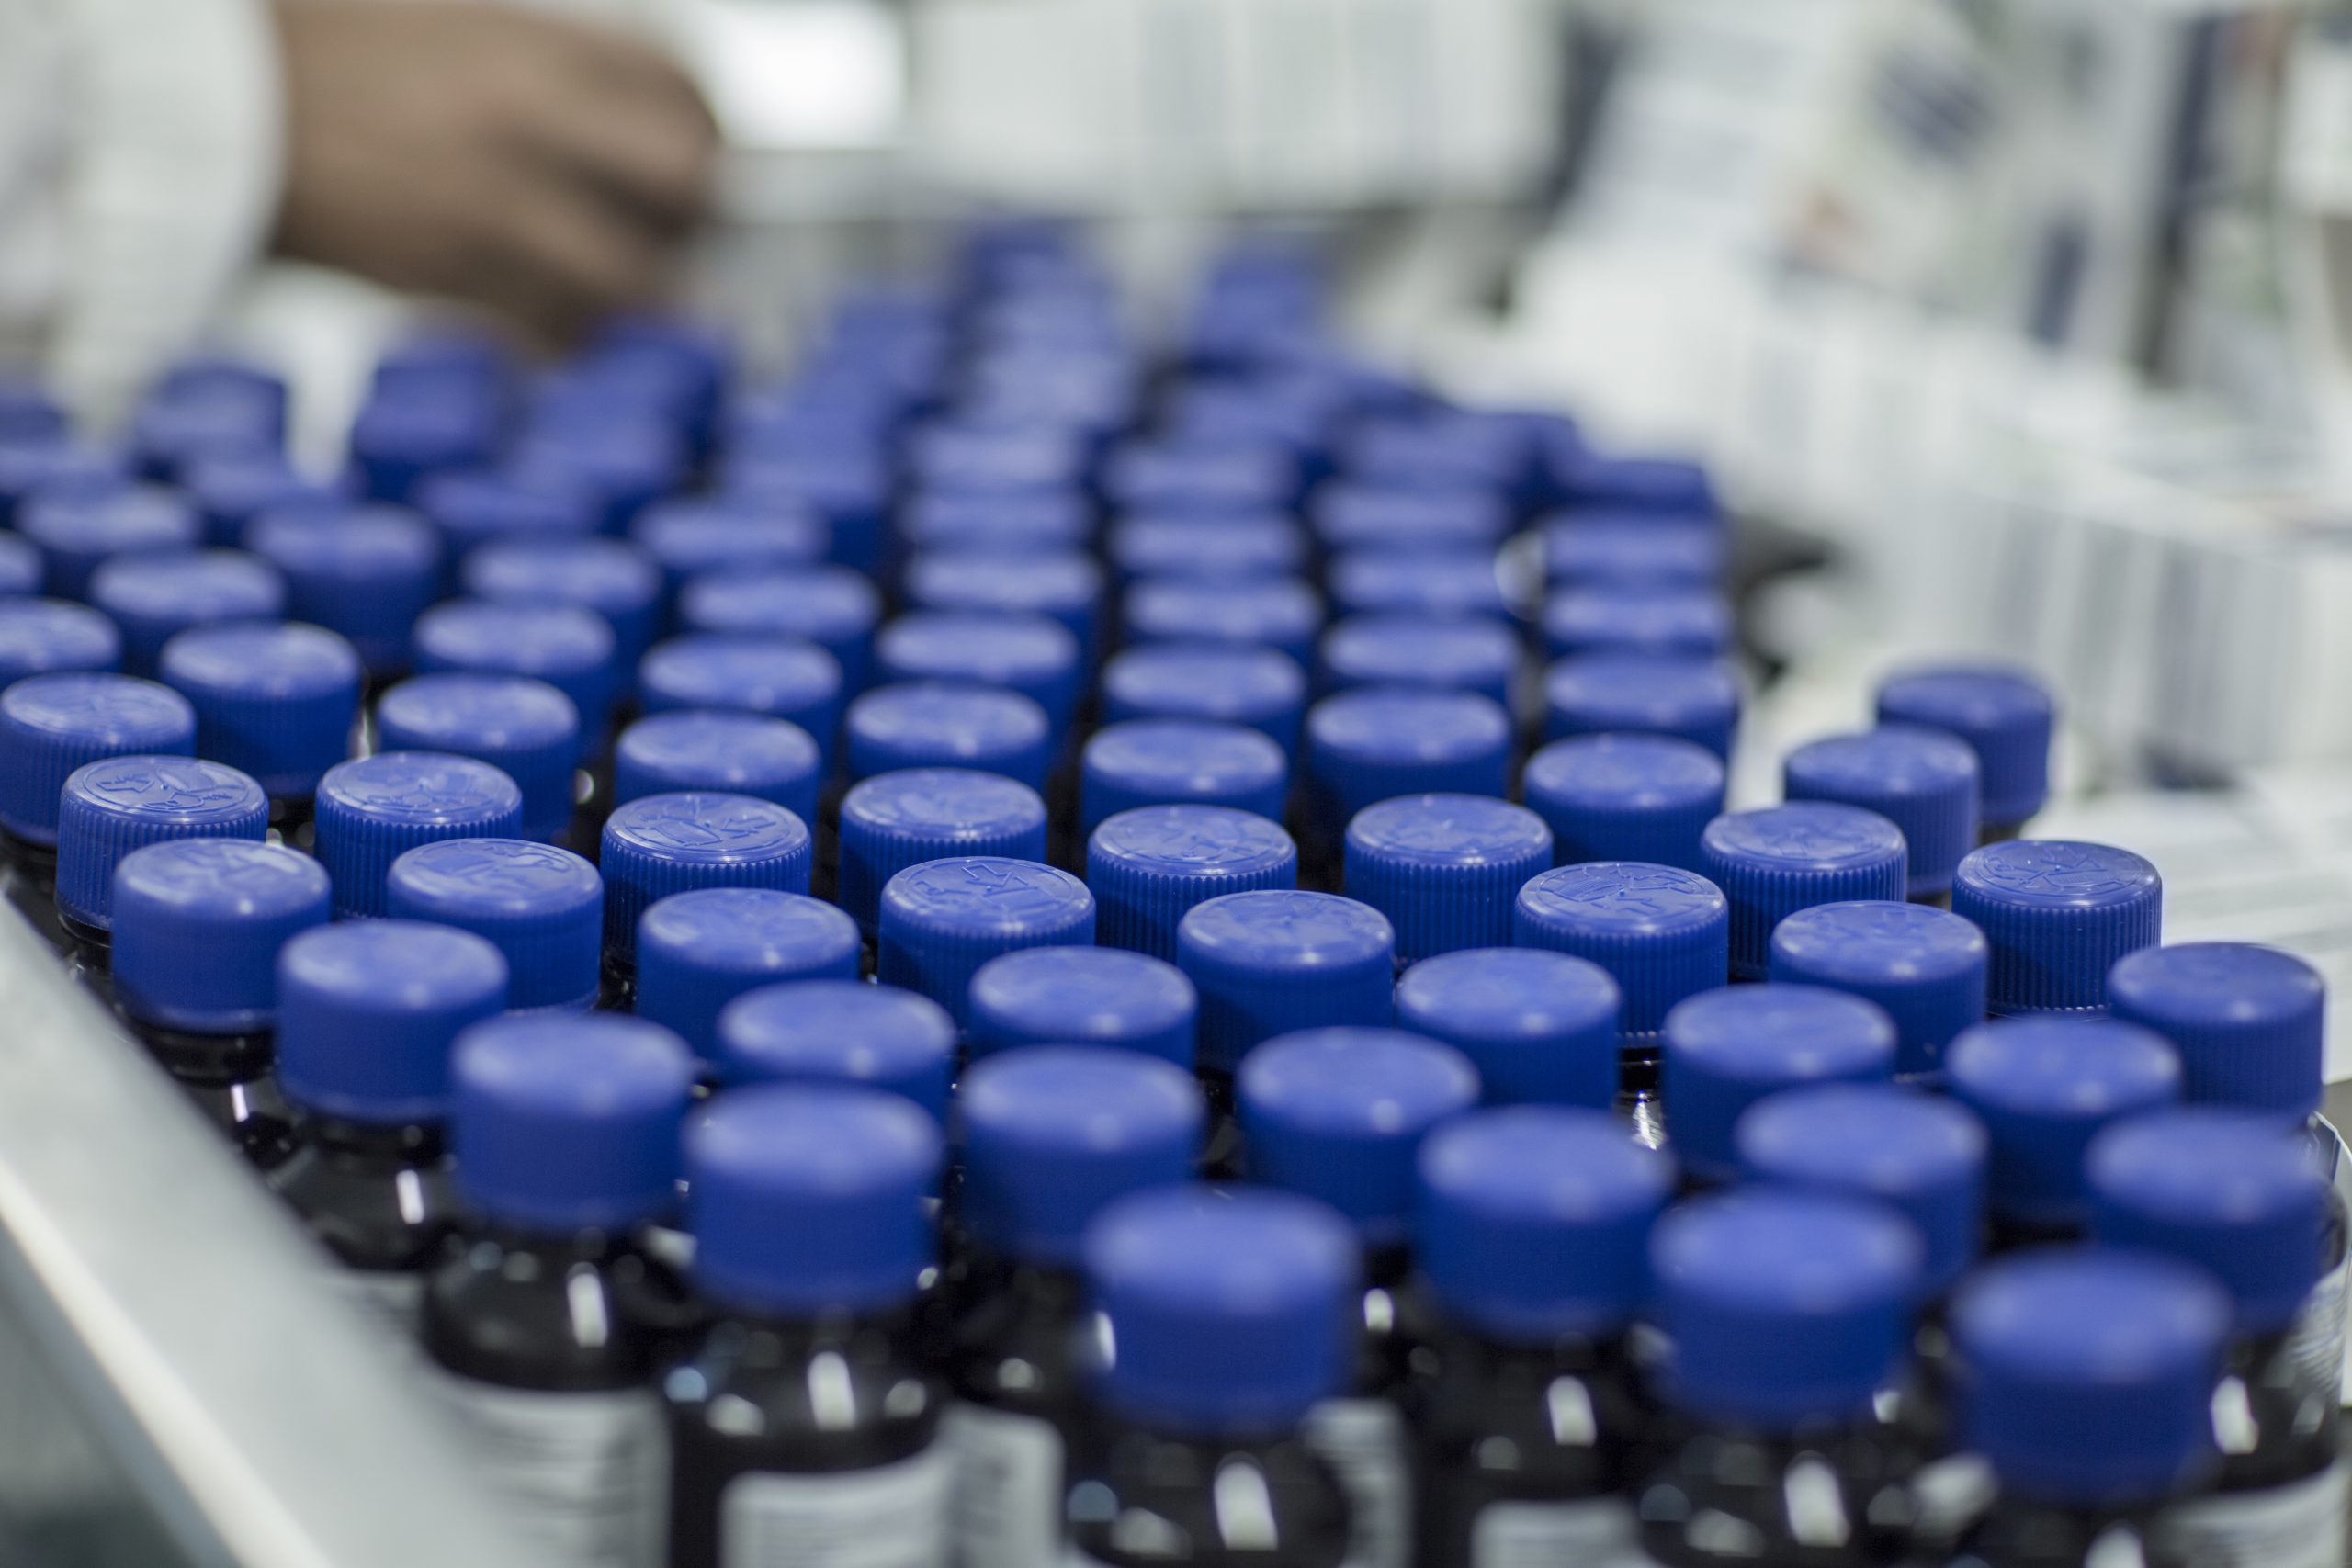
(208,1061)
(390,1145)
(35,863)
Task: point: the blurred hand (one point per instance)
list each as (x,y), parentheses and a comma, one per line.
(541,168)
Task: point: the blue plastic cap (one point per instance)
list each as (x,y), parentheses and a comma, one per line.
(1377,742)
(21,569)
(1663,622)
(1261,687)
(1539,1027)
(570,648)
(839,1031)
(1029,654)
(946,724)
(2044,1087)
(1053,1135)
(1351,515)
(1275,962)
(543,907)
(1661,933)
(1534,1223)
(525,727)
(1418,582)
(661,844)
(2092,1374)
(831,607)
(399,438)
(2060,915)
(2235,1193)
(1622,693)
(1340,1114)
(1591,480)
(1728,1048)
(1446,450)
(1005,522)
(51,725)
(80,529)
(1925,966)
(787,678)
(372,811)
(1199,476)
(48,466)
(480,507)
(1457,653)
(277,701)
(1207,548)
(564,1125)
(234,489)
(1923,781)
(1445,869)
(40,636)
(1065,587)
(809,1199)
(738,534)
(1772,862)
(1629,550)
(849,491)
(941,919)
(1922,1154)
(1229,1307)
(197,923)
(28,414)
(367,1012)
(365,572)
(1175,762)
(112,807)
(970,457)
(1083,996)
(1279,612)
(901,820)
(736,753)
(619,461)
(697,952)
(1625,798)
(1148,867)
(2249,1022)
(155,593)
(612,577)
(2006,716)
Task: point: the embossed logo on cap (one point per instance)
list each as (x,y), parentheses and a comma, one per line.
(168,786)
(422,785)
(1206,840)
(1814,832)
(1625,893)
(708,824)
(1002,892)
(1279,926)
(2062,871)
(500,867)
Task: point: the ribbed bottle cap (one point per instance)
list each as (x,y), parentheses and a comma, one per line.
(367,1012)
(1591,480)
(1784,1308)
(1053,1135)
(155,593)
(525,727)
(1257,686)
(810,1199)
(1274,962)
(1925,966)
(1445,869)
(562,1124)
(659,844)
(2249,1022)
(174,428)
(612,577)
(1448,450)
(197,923)
(1148,867)
(1350,515)
(1029,654)
(51,725)
(1921,1153)
(738,534)
(482,506)
(1279,612)
(947,724)
(1460,653)
(399,438)
(1418,583)
(1923,781)
(1609,694)
(941,919)
(2233,1191)
(278,701)
(1775,861)
(568,647)
(1634,550)
(233,490)
(542,906)
(363,572)
(373,811)
(78,530)
(622,463)
(1174,762)
(901,820)
(788,678)
(1662,934)
(1083,996)
(1230,1307)
(1065,587)
(943,456)
(2059,915)
(697,952)
(1207,548)
(831,607)
(1377,742)
(1667,622)
(40,636)
(840,1032)
(2044,1087)
(1340,1114)
(737,753)
(44,467)
(1005,522)
(1635,797)
(1199,476)
(1539,1027)
(1533,1221)
(849,490)
(2006,716)
(1728,1048)
(109,808)
(2092,1374)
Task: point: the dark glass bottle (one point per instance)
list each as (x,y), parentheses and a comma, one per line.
(804,1414)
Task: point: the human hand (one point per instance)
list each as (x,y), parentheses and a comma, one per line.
(541,168)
